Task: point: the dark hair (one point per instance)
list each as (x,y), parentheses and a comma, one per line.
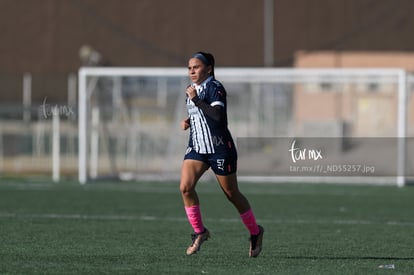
(207,59)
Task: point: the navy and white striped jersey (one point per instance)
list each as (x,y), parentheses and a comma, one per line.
(207,135)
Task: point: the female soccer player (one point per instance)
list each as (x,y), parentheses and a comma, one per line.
(211,146)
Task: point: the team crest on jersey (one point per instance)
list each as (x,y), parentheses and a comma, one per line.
(201,93)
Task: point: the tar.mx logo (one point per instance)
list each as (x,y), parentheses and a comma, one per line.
(298,153)
(46,111)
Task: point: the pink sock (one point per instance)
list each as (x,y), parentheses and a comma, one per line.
(194,217)
(250,222)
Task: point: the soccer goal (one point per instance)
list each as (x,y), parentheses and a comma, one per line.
(339,119)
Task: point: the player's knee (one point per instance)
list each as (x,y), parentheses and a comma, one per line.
(232,195)
(186,189)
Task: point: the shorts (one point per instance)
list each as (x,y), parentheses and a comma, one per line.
(222,163)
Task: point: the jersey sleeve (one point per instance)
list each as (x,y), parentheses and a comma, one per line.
(216,94)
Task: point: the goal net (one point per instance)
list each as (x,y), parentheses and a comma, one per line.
(289,124)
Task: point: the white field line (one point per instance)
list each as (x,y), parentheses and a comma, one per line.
(8,215)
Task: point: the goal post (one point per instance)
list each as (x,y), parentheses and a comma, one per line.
(402,127)
(129,117)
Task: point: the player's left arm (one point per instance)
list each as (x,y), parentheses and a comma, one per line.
(215,111)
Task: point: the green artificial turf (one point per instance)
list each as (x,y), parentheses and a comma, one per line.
(141,228)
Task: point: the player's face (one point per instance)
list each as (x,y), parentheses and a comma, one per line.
(197,71)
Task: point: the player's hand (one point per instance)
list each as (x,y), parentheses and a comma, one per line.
(191,92)
(185,124)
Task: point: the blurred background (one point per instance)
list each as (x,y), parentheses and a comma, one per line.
(44,43)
